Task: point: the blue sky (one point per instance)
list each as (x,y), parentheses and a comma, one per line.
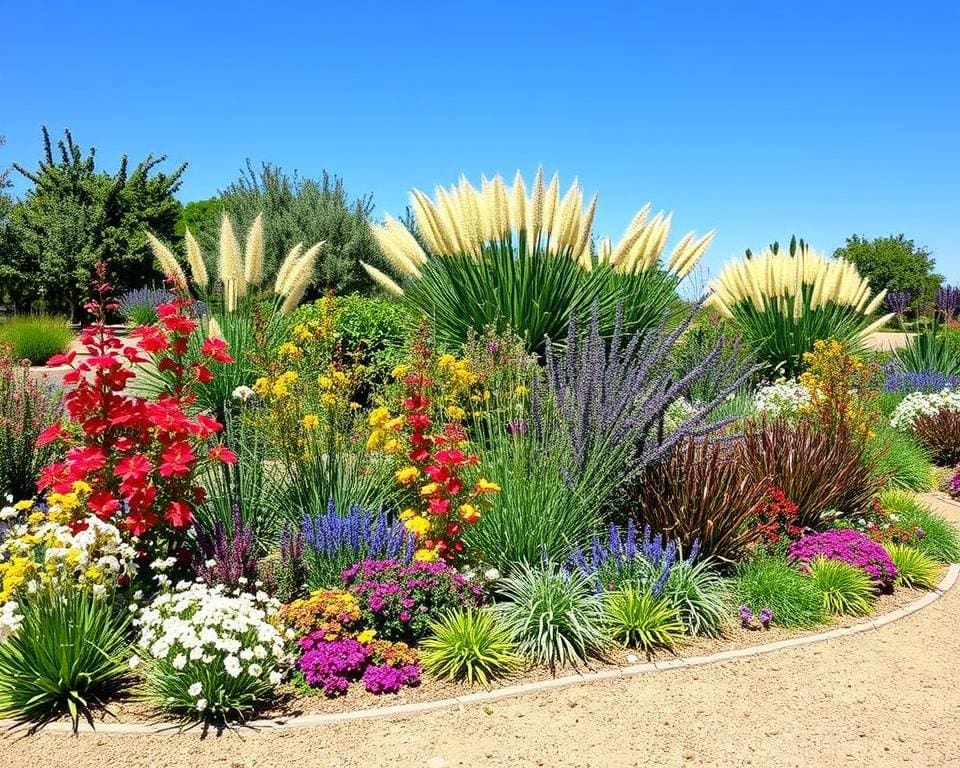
(752,117)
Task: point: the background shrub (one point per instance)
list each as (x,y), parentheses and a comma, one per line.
(554,617)
(768,582)
(36,338)
(139,306)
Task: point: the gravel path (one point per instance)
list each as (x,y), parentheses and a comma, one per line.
(884,698)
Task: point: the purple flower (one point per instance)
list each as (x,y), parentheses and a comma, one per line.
(847,546)
(387,679)
(898,302)
(766,615)
(518,427)
(746,616)
(331,664)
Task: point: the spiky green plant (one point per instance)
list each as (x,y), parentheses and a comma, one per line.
(846,589)
(36,338)
(69,652)
(769,582)
(900,459)
(914,568)
(470,645)
(637,619)
(554,617)
(781,304)
(928,350)
(700,594)
(498,257)
(939,539)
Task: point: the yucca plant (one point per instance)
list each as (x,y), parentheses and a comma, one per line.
(68,654)
(469,645)
(500,257)
(846,589)
(914,568)
(782,304)
(637,619)
(554,616)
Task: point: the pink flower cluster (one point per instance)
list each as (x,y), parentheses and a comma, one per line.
(847,546)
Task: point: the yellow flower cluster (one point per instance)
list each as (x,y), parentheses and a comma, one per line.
(841,386)
(331,611)
(42,547)
(383,430)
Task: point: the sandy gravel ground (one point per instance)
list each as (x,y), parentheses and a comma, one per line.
(885,698)
(886,341)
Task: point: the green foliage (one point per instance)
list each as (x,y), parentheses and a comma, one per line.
(914,568)
(793,248)
(899,459)
(36,338)
(930,349)
(892,263)
(640,620)
(534,294)
(769,582)
(940,540)
(306,210)
(70,651)
(703,335)
(75,216)
(470,645)
(554,617)
(27,407)
(700,595)
(846,589)
(201,217)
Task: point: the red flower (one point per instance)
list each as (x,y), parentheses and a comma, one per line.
(203,374)
(454,485)
(133,469)
(438,507)
(451,456)
(51,433)
(216,349)
(178,323)
(140,521)
(418,420)
(85,460)
(437,474)
(418,455)
(66,359)
(222,453)
(178,514)
(176,460)
(103,504)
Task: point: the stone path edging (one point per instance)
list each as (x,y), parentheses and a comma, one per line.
(458,702)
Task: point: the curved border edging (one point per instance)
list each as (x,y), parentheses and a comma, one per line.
(458,702)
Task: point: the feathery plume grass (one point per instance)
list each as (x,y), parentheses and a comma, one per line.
(253,255)
(168,262)
(198,268)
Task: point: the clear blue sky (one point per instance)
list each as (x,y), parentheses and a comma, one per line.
(825,118)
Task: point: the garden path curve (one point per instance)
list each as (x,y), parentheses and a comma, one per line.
(888,697)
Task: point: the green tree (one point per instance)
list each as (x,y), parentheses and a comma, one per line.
(74,216)
(893,263)
(308,210)
(201,216)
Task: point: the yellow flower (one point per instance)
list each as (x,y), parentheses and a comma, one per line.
(22,505)
(302,333)
(394,424)
(485,486)
(455,412)
(329,398)
(429,489)
(446,361)
(425,555)
(325,381)
(520,391)
(261,386)
(288,349)
(80,488)
(340,377)
(310,421)
(417,525)
(366,636)
(399,370)
(373,442)
(392,446)
(407,514)
(469,513)
(378,417)
(407,475)
(354,406)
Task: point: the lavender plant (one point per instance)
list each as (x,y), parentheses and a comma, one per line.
(139,306)
(332,542)
(948,301)
(898,302)
(620,557)
(228,554)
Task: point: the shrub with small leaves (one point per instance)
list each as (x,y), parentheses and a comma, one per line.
(470,645)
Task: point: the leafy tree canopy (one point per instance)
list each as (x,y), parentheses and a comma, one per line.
(893,263)
(296,210)
(74,216)
(201,216)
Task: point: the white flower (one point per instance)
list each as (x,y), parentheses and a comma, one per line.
(201,705)
(242,393)
(491,574)
(196,652)
(275,677)
(179,661)
(134,661)
(924,404)
(232,665)
(784,399)
(255,670)
(195,690)
(211,563)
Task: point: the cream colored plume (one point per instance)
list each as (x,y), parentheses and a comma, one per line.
(253,253)
(286,265)
(198,268)
(385,281)
(230,263)
(214,331)
(168,262)
(299,278)
(770,277)
(461,221)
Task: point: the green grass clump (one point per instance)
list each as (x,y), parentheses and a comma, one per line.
(940,539)
(700,595)
(900,459)
(846,590)
(639,620)
(470,645)
(70,650)
(554,617)
(769,582)
(36,338)
(914,568)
